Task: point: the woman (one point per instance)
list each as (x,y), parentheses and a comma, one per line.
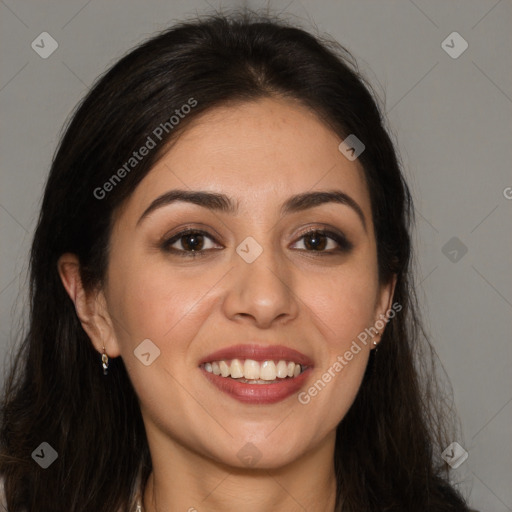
(222,305)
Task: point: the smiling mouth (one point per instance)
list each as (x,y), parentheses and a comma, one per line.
(249,371)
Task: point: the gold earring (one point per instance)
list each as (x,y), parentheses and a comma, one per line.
(104,361)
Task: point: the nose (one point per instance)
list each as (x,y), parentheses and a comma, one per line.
(261,292)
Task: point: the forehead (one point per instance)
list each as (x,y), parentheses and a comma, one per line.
(258,153)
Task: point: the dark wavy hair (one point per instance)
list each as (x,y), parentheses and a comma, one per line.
(388,446)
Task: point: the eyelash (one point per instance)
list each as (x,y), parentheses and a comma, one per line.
(344,245)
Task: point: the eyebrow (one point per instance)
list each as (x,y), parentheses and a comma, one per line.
(220,202)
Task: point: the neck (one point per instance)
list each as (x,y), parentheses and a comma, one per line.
(184,480)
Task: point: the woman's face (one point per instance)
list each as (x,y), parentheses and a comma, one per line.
(258,287)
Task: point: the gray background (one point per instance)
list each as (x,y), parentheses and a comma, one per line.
(451,119)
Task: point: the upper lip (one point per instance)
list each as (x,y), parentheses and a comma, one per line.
(258,353)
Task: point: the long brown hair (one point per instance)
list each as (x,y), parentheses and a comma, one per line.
(388,446)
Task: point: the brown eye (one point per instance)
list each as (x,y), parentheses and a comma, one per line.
(318,241)
(192,243)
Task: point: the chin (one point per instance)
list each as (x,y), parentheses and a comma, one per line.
(253,450)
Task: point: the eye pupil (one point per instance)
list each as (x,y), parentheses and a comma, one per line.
(315,244)
(195,243)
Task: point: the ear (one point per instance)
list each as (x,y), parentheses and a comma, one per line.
(90,306)
(384,303)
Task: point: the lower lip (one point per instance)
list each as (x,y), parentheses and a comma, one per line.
(258,393)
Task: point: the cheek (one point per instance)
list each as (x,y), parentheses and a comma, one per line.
(343,303)
(152,301)
(333,389)
(343,306)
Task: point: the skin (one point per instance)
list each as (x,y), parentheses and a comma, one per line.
(258,153)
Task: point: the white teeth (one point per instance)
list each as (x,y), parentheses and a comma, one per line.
(224,368)
(251,369)
(268,370)
(237,369)
(254,371)
(282,369)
